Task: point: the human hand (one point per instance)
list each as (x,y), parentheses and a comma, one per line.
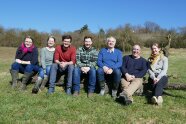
(109,71)
(105,69)
(156,80)
(18,61)
(63,64)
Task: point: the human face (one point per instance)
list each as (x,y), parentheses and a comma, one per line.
(28,42)
(111,43)
(66,43)
(88,43)
(51,42)
(136,51)
(155,50)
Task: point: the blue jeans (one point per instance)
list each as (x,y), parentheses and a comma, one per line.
(42,73)
(114,78)
(55,68)
(91,79)
(22,68)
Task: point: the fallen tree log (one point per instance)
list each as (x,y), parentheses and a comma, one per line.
(176,86)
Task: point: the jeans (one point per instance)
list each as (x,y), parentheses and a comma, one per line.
(42,73)
(55,68)
(91,79)
(24,68)
(114,78)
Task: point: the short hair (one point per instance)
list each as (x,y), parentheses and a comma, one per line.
(66,37)
(51,37)
(29,38)
(111,38)
(86,37)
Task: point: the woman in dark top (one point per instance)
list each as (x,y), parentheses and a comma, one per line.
(26,62)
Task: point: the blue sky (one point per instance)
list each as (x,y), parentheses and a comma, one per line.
(70,15)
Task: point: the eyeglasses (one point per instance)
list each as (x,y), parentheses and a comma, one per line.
(28,41)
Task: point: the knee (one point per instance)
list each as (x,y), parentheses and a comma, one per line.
(76,70)
(117,72)
(15,66)
(100,71)
(92,70)
(71,67)
(29,68)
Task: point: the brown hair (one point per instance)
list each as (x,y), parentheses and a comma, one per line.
(29,38)
(51,37)
(66,37)
(155,44)
(86,37)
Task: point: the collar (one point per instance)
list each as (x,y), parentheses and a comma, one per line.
(110,50)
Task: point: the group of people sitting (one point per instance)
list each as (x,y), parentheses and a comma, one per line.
(107,66)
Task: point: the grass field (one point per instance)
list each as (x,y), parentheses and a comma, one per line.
(24,107)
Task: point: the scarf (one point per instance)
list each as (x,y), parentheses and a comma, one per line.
(25,49)
(153,59)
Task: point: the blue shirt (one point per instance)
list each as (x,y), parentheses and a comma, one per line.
(132,66)
(110,59)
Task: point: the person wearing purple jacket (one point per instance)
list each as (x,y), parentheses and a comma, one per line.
(109,63)
(134,68)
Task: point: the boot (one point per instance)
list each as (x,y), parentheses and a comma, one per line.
(102,87)
(45,80)
(25,79)
(14,74)
(37,85)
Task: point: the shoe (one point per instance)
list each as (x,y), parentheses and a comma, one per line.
(160,100)
(126,99)
(76,93)
(68,91)
(50,90)
(90,94)
(102,92)
(114,94)
(154,100)
(35,90)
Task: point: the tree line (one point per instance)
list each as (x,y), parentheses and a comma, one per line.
(126,36)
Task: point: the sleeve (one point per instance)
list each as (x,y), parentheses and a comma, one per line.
(119,60)
(100,59)
(150,72)
(78,58)
(43,57)
(164,68)
(34,60)
(94,57)
(124,67)
(143,71)
(56,53)
(19,53)
(73,56)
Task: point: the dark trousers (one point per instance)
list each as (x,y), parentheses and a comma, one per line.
(157,89)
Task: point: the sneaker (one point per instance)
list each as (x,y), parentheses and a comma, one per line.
(154,100)
(76,93)
(160,100)
(68,91)
(90,94)
(102,92)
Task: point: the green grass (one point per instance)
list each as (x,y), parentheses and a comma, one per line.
(24,107)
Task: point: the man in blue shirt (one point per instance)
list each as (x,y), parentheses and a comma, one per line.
(109,63)
(134,67)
